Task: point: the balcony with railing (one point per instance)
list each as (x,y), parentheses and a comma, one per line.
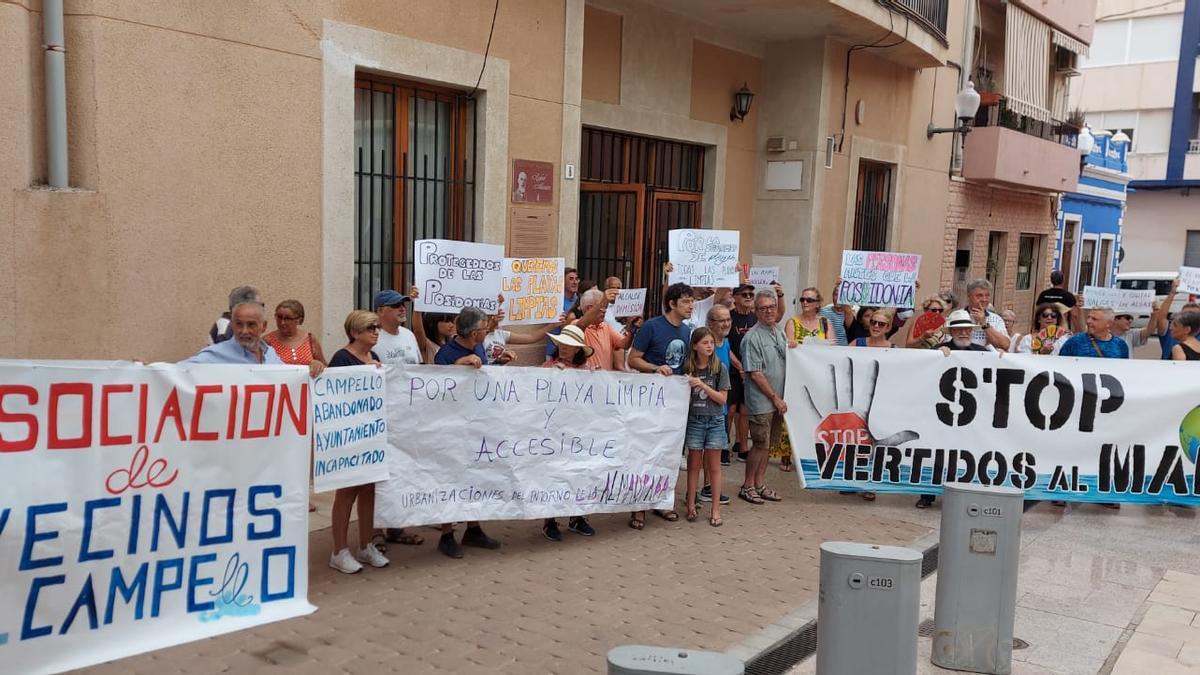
(930,14)
(1009,148)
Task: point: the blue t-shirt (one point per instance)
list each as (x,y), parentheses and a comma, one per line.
(1080,344)
(452,351)
(1167,341)
(722,352)
(663,343)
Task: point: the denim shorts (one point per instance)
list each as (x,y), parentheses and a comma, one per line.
(706,432)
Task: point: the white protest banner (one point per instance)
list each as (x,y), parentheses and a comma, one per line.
(518,443)
(349,428)
(148,506)
(630,302)
(879,279)
(1072,429)
(1119,300)
(1189,279)
(704,257)
(532,290)
(451,275)
(763,276)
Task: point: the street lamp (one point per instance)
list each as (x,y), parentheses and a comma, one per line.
(966,104)
(1085,141)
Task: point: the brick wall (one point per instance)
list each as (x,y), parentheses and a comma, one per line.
(984,210)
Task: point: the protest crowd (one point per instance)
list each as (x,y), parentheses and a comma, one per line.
(730,344)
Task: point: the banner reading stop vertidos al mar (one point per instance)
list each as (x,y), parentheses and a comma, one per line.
(146,506)
(498,443)
(1072,429)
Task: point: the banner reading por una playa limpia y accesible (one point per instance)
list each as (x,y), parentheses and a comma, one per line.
(519,443)
(1072,429)
(147,506)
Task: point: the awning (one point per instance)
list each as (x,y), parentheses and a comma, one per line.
(1027,64)
(1068,43)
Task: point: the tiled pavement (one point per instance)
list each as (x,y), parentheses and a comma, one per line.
(534,606)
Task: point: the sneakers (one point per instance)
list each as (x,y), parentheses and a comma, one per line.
(474,536)
(371,556)
(448,546)
(550,530)
(925,502)
(743,456)
(705,495)
(579,525)
(344,562)
(725,457)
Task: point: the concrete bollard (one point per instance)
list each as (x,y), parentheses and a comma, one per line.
(870,601)
(642,660)
(978,558)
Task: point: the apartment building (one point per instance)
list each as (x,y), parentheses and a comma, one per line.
(1140,82)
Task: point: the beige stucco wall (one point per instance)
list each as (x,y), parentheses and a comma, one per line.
(199,132)
(1155,228)
(602,55)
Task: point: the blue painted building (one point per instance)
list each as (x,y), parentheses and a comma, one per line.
(1088,246)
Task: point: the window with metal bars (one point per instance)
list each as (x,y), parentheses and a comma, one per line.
(612,157)
(872,207)
(414,170)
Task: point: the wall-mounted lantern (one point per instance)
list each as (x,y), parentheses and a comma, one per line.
(966,104)
(742,99)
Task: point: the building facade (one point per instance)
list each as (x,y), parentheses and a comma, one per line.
(1140,81)
(303,147)
(1088,245)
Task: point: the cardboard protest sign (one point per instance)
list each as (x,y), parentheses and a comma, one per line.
(1189,279)
(521,443)
(879,279)
(532,290)
(704,257)
(451,275)
(763,276)
(148,506)
(1119,300)
(349,428)
(912,420)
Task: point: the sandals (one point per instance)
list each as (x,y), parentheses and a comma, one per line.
(868,496)
(668,515)
(637,520)
(768,494)
(750,495)
(692,515)
(786,467)
(715,522)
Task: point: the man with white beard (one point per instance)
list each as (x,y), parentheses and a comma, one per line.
(960,326)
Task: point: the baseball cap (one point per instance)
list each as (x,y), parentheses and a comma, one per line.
(742,288)
(388,297)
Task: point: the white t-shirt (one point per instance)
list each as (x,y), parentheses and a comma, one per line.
(398,349)
(494,345)
(979,335)
(1134,338)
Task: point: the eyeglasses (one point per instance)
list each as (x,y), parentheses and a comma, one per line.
(373,328)
(398,305)
(765,308)
(936,310)
(746,295)
(880,324)
(281,317)
(1049,315)
(808,300)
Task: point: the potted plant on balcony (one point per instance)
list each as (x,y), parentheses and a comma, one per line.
(1074,122)
(986,86)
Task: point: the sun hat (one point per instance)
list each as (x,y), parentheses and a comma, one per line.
(960,318)
(572,336)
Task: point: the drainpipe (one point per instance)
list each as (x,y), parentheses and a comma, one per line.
(56,93)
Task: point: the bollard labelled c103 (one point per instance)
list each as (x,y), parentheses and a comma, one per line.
(869,602)
(643,660)
(978,556)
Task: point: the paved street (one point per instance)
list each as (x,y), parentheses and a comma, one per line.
(538,607)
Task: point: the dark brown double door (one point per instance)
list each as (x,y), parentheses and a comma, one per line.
(623,226)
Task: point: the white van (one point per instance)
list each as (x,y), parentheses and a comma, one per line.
(1160,282)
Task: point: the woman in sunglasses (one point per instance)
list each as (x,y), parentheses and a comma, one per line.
(928,330)
(1049,330)
(879,323)
(362,329)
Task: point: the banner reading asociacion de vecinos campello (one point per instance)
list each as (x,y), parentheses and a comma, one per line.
(146,506)
(900,420)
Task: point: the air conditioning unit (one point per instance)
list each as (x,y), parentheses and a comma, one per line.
(1066,62)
